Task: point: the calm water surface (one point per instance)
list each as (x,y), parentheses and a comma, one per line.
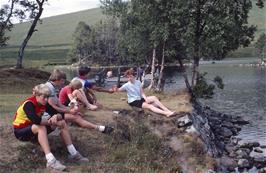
(244,95)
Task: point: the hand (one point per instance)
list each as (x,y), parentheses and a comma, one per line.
(73,110)
(60,124)
(114,88)
(111,91)
(53,120)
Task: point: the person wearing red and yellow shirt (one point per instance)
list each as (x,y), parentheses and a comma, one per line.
(28,124)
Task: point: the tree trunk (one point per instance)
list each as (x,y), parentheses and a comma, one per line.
(188,86)
(5,25)
(152,69)
(196,53)
(30,32)
(160,85)
(118,76)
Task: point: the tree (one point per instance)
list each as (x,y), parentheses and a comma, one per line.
(35,9)
(202,28)
(7,12)
(80,49)
(261,45)
(96,44)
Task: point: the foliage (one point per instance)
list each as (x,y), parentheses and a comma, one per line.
(261,43)
(97,44)
(6,13)
(205,90)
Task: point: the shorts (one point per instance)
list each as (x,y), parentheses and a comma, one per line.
(26,134)
(137,103)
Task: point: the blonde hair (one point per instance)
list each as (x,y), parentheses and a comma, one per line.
(41,89)
(75,84)
(57,75)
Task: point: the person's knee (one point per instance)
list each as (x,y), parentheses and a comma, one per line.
(154,98)
(147,106)
(39,129)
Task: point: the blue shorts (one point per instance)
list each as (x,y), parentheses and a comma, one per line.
(26,134)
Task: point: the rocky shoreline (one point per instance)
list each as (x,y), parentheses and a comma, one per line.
(221,141)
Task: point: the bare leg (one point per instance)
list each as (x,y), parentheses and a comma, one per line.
(82,97)
(42,137)
(156,110)
(80,121)
(65,135)
(155,100)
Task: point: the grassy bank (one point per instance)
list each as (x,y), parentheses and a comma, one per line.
(141,142)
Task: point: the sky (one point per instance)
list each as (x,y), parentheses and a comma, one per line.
(57,7)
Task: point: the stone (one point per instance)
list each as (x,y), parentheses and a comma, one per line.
(228,163)
(263,146)
(260,159)
(262,170)
(257,150)
(239,120)
(250,145)
(225,132)
(242,154)
(184,121)
(243,163)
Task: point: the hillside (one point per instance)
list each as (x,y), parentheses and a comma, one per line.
(56,30)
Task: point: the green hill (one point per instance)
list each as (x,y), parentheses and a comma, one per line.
(52,40)
(56,30)
(54,36)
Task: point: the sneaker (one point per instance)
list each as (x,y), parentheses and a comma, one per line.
(108,130)
(78,158)
(55,164)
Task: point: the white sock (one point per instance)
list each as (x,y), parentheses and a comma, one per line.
(100,128)
(71,149)
(49,157)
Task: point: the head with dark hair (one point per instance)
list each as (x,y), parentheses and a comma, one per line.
(83,70)
(130,72)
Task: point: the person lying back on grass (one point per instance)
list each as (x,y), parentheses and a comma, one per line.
(137,97)
(28,125)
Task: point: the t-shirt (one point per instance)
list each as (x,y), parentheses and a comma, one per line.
(63,95)
(54,91)
(133,90)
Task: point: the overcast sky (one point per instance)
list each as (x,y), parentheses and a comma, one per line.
(56,7)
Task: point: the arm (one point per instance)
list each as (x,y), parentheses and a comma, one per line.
(29,109)
(143,95)
(57,105)
(100,89)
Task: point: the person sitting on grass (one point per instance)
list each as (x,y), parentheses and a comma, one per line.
(89,87)
(56,81)
(137,97)
(72,93)
(29,125)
